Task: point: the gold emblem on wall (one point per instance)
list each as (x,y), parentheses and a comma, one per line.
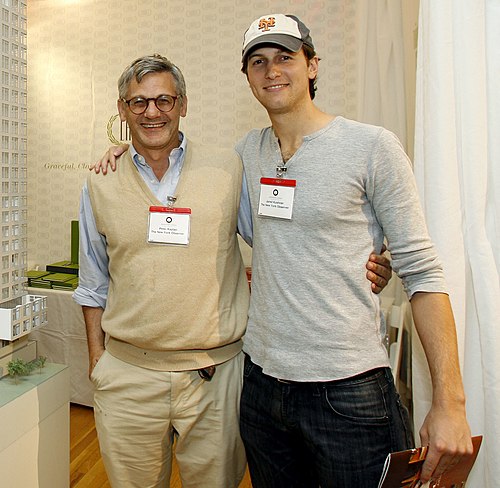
(123,130)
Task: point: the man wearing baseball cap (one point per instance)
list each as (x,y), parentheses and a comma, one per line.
(319,406)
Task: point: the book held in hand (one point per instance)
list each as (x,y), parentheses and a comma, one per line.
(402,469)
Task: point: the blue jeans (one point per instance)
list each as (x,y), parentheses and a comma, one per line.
(333,434)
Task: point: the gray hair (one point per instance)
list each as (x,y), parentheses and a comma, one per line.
(151,64)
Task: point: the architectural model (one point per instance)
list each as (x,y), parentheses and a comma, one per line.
(19,312)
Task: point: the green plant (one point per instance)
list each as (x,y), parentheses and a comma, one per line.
(39,363)
(17,367)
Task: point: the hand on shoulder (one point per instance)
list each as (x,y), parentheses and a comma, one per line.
(109,159)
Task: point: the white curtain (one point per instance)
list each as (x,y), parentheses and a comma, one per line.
(380,71)
(457,165)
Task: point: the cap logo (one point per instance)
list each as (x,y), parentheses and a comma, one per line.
(266,24)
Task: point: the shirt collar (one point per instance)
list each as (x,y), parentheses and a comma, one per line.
(176,157)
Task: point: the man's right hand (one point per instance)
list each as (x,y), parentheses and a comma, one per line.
(93,360)
(109,159)
(95,335)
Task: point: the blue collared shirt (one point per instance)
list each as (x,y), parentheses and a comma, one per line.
(93,284)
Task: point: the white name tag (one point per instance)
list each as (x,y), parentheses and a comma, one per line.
(276,198)
(169,225)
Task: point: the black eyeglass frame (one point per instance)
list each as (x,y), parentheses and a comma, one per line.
(155,100)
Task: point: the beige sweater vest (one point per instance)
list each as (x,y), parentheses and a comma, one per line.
(174,308)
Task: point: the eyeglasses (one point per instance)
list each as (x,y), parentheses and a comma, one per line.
(138,105)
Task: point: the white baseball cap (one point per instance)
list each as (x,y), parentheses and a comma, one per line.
(285,30)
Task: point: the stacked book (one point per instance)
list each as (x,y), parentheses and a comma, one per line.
(62,275)
(35,278)
(66,267)
(61,281)
(55,281)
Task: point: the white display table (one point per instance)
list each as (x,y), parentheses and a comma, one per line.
(64,340)
(34,429)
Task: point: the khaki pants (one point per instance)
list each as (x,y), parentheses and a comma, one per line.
(139,411)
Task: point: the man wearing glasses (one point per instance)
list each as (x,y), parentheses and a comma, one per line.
(165,295)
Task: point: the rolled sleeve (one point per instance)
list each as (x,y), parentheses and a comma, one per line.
(393,193)
(93,279)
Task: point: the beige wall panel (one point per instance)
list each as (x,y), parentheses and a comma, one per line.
(77,50)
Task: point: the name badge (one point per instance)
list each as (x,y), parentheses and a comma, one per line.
(169,225)
(276,198)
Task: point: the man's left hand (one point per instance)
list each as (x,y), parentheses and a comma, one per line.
(447,433)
